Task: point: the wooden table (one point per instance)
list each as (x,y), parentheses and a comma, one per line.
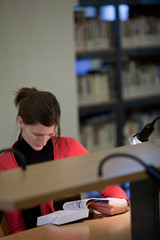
(97,227)
(54,180)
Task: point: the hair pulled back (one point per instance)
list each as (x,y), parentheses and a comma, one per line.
(36,106)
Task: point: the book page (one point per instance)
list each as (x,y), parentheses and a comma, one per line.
(81,204)
(75,205)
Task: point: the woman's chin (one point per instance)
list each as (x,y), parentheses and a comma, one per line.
(38,147)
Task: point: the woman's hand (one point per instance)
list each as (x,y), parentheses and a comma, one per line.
(112,207)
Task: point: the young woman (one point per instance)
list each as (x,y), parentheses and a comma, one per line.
(39,140)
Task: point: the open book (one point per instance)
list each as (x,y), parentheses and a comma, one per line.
(72,211)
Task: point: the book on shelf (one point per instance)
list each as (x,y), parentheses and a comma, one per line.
(140,31)
(72,211)
(140,80)
(95,87)
(99,132)
(79,29)
(92,33)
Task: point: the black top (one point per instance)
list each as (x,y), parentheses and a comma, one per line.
(32,156)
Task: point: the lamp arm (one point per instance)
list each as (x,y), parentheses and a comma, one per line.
(154,121)
(153,172)
(18,153)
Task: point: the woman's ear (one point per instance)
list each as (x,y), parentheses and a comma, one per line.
(20,122)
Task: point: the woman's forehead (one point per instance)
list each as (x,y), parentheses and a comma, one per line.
(41,129)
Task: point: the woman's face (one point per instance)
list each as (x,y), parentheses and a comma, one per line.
(36,135)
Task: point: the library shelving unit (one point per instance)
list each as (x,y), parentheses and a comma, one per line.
(133,50)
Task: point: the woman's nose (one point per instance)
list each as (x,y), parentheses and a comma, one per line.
(44,140)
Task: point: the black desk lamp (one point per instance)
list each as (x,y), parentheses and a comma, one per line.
(134,139)
(144,134)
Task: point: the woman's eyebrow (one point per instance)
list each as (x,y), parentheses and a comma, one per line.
(41,134)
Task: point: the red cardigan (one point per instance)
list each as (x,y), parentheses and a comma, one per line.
(66,147)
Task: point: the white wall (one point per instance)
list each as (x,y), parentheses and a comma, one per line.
(37,49)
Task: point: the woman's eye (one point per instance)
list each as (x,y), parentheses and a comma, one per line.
(36,135)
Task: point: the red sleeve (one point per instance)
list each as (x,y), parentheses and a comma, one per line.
(114,191)
(7,161)
(15,221)
(14,218)
(68,147)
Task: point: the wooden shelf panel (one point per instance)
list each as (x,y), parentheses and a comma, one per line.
(135,52)
(93,109)
(97,108)
(54,180)
(109,53)
(130,103)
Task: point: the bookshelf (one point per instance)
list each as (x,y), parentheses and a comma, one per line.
(127,64)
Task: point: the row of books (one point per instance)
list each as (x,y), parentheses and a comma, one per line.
(140,80)
(92,33)
(138,121)
(98,133)
(140,31)
(96,87)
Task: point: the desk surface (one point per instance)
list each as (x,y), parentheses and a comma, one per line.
(53,180)
(97,227)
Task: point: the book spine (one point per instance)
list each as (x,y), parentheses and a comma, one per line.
(92,33)
(140,80)
(140,31)
(98,133)
(96,87)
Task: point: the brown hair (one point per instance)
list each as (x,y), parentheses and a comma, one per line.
(36,106)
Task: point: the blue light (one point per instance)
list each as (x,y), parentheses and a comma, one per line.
(90,12)
(108,12)
(82,67)
(123,12)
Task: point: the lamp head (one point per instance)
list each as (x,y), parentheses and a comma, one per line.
(133,139)
(141,136)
